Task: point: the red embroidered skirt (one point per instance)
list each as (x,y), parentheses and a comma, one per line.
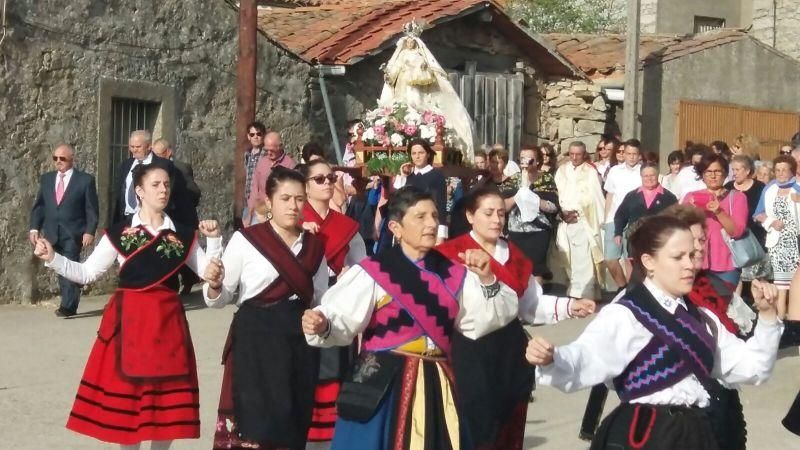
(114,407)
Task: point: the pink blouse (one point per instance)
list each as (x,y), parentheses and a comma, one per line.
(718,256)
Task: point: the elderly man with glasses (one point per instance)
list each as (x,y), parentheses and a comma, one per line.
(65,213)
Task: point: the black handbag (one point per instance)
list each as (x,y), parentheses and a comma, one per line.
(367,384)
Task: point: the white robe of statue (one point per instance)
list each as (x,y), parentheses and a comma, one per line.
(414,77)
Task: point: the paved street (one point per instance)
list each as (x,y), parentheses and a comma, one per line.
(43,357)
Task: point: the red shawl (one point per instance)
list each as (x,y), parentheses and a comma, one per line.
(714,294)
(336,231)
(515,273)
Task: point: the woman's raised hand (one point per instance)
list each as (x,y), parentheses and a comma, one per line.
(314,322)
(43,250)
(478,261)
(214,273)
(311,227)
(209,228)
(540,351)
(582,307)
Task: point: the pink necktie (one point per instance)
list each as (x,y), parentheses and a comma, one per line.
(60,188)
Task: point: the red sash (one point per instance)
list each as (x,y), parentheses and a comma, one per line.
(296,273)
(515,273)
(336,231)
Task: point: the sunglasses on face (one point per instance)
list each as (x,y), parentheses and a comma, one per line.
(320,179)
(258,133)
(61,158)
(784,152)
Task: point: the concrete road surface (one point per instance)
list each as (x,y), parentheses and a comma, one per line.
(42,359)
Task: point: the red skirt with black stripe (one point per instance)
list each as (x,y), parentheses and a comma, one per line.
(114,408)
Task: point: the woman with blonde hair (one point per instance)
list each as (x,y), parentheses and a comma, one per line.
(745,144)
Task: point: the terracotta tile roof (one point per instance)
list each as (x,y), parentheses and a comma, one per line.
(603,55)
(346,31)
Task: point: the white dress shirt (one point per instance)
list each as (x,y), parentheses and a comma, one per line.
(129,179)
(249,272)
(67,177)
(621,179)
(105,254)
(614,338)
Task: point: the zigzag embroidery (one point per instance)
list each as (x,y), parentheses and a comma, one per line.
(654,377)
(391,324)
(669,333)
(688,326)
(646,364)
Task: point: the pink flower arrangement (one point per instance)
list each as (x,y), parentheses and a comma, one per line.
(403,122)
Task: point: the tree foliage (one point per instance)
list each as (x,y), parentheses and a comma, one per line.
(570,16)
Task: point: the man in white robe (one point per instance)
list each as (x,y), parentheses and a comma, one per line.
(579,238)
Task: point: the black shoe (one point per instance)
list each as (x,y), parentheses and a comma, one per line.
(61,312)
(186,289)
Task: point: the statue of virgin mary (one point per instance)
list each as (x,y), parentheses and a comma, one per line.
(414,77)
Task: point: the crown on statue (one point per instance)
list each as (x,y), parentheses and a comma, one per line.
(413,29)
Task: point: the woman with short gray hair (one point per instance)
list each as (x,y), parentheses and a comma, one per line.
(743,171)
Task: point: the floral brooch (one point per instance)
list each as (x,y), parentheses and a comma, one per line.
(170,246)
(132,238)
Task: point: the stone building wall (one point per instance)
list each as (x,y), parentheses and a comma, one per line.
(649,15)
(573,110)
(778,24)
(58,54)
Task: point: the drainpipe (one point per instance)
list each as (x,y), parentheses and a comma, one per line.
(774,23)
(324,70)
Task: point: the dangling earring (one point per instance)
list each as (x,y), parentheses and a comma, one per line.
(650,274)
(395,240)
(269,215)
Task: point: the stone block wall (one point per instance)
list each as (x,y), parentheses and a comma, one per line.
(649,14)
(51,67)
(573,111)
(778,24)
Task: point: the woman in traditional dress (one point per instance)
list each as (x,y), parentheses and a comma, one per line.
(777,213)
(344,247)
(661,352)
(493,381)
(140,382)
(406,301)
(270,372)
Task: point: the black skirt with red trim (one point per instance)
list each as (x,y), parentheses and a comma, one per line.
(114,407)
(655,427)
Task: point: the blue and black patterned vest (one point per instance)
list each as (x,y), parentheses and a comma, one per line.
(681,346)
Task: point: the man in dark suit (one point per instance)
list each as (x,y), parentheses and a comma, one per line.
(126,203)
(163,149)
(65,213)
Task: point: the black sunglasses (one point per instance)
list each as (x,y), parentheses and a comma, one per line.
(259,134)
(61,158)
(320,179)
(784,152)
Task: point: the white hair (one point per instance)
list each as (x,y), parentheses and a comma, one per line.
(144,134)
